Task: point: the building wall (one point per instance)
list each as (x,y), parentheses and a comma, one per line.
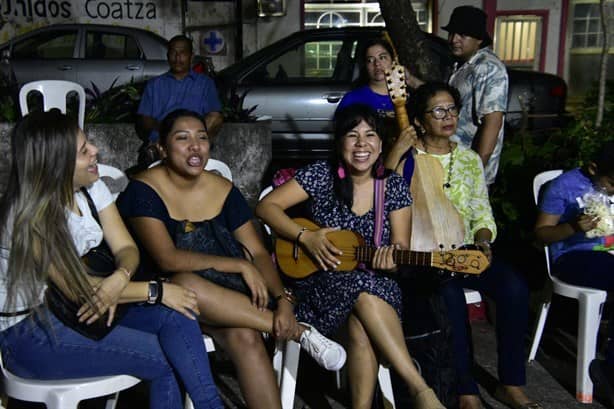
(553,30)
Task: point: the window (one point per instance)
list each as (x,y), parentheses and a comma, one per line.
(111,46)
(516,39)
(311,61)
(586,27)
(47,45)
(343,13)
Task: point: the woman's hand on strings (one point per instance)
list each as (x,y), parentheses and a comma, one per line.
(322,249)
(383,259)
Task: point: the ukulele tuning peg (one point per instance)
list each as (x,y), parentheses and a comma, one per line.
(389,81)
(453,247)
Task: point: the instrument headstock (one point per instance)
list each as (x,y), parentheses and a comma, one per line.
(395,82)
(462,261)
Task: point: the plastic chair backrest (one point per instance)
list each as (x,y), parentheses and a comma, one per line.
(539,180)
(219,167)
(54,94)
(120,180)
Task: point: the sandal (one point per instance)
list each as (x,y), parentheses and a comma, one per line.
(426,399)
(504,398)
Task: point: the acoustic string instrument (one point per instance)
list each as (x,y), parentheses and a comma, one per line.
(296,263)
(436,223)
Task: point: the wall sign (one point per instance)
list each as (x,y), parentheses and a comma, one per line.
(213,42)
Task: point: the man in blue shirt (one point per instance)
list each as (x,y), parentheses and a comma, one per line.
(179,88)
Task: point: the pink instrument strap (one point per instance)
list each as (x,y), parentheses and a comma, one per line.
(379,192)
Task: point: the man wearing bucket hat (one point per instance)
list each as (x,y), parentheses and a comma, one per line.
(482,80)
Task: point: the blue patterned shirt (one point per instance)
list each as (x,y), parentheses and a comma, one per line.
(483,85)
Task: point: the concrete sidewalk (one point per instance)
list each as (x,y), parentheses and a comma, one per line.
(316,388)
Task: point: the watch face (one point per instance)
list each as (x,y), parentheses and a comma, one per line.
(152,293)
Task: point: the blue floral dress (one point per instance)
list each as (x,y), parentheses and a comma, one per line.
(327,298)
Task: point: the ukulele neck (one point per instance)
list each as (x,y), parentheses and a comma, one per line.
(416,258)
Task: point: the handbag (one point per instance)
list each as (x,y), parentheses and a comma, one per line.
(100,263)
(210,237)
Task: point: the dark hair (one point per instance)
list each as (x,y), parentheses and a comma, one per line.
(363,77)
(169,121)
(418,103)
(604,159)
(345,120)
(180,37)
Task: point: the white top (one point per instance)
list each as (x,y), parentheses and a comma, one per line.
(86,234)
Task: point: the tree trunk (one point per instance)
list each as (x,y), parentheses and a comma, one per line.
(604,63)
(408,38)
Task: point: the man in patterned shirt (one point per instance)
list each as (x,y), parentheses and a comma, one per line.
(482,80)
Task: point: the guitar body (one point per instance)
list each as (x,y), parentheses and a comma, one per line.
(304,265)
(296,263)
(435,220)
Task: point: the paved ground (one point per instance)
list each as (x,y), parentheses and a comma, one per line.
(550,380)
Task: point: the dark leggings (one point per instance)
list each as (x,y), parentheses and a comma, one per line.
(509,291)
(593,269)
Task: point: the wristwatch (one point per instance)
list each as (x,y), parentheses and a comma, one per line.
(153,289)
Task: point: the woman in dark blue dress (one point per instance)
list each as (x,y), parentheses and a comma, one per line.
(364,301)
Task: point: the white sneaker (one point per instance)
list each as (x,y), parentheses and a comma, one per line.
(326,352)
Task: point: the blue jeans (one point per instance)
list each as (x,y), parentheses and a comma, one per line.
(511,295)
(152,343)
(589,269)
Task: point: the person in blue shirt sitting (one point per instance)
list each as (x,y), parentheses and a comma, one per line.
(179,88)
(581,241)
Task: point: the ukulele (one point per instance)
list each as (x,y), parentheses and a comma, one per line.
(297,263)
(435,221)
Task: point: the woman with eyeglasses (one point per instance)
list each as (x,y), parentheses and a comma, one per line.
(434,109)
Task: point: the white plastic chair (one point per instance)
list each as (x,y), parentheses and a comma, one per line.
(590,303)
(112,172)
(219,167)
(54,94)
(65,394)
(285,366)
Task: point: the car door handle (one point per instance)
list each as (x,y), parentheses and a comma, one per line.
(65,67)
(333,97)
(133,67)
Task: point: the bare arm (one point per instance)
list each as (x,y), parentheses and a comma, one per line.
(548,229)
(407,139)
(213,121)
(487,135)
(284,321)
(149,124)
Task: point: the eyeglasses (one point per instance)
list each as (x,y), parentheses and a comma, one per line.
(440,112)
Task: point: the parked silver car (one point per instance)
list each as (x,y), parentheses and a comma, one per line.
(299,81)
(84,53)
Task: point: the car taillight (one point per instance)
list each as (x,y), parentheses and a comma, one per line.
(558,91)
